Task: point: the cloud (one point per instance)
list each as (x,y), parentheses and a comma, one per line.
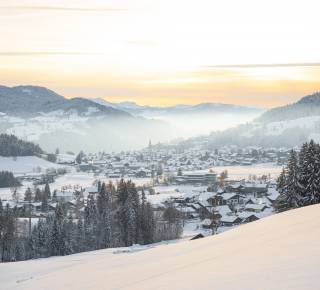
(141,42)
(43,53)
(62,8)
(266,65)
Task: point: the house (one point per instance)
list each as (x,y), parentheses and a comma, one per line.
(272,195)
(206,224)
(198,236)
(256,207)
(229,221)
(52,206)
(223,210)
(235,187)
(232,199)
(142,173)
(197,178)
(248,217)
(215,200)
(190,213)
(63,196)
(91,190)
(258,189)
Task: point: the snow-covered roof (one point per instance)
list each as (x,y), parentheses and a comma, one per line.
(64,194)
(229,219)
(245,215)
(256,206)
(206,222)
(227,195)
(223,209)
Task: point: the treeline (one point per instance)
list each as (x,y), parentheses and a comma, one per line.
(116,217)
(7,179)
(299,182)
(10,145)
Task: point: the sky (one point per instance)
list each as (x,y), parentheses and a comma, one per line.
(164,52)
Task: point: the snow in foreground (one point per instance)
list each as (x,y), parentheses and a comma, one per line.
(278,252)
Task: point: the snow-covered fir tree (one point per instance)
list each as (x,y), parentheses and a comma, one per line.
(299,182)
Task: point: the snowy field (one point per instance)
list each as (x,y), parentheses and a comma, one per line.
(26,165)
(242,172)
(280,252)
(83,179)
(72,180)
(163,192)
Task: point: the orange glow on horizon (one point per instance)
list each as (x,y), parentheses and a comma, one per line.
(163,53)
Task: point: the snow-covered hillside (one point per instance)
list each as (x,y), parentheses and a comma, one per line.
(310,125)
(277,253)
(42,116)
(26,164)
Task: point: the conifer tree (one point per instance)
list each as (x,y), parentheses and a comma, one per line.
(288,182)
(47,190)
(57,238)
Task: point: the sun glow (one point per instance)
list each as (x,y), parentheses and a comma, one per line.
(130,49)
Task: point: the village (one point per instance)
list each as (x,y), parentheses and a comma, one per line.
(197,183)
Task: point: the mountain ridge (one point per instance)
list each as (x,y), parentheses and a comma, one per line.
(133,107)
(305,107)
(32,100)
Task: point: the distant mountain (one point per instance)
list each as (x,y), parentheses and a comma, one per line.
(40,115)
(286,126)
(32,100)
(192,120)
(181,109)
(305,107)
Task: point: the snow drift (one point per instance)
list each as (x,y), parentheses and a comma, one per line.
(278,252)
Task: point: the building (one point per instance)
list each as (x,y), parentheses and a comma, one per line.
(229,221)
(197,178)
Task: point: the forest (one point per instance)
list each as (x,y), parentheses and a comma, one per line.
(10,145)
(118,216)
(7,179)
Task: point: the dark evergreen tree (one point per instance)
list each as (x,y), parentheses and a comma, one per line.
(104,217)
(7,179)
(7,242)
(90,224)
(80,237)
(310,173)
(290,197)
(47,190)
(38,195)
(299,183)
(28,195)
(57,237)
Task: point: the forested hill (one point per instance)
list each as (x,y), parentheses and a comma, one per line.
(10,145)
(305,107)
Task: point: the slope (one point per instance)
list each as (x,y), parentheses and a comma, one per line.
(305,107)
(279,252)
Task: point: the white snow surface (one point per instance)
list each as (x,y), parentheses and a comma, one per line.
(26,164)
(238,172)
(276,253)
